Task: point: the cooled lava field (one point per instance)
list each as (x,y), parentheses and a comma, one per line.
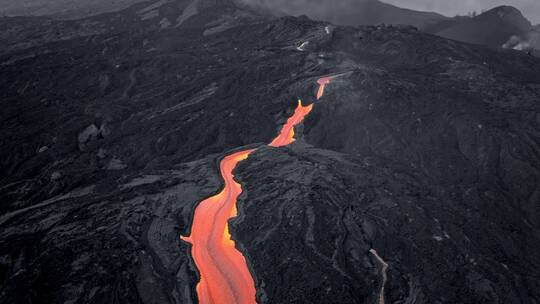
(414,178)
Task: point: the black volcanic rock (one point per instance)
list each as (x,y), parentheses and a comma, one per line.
(424,149)
(115,240)
(332,208)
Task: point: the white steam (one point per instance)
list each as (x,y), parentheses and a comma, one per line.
(530,41)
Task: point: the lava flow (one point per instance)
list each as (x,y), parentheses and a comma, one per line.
(322,85)
(286,135)
(224,274)
(384,268)
(225,277)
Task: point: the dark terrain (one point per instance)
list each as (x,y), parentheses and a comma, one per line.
(352,12)
(426,149)
(502,26)
(65,9)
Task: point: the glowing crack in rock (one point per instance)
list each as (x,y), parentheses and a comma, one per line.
(384,268)
(224,275)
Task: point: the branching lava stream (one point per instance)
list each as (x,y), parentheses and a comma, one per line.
(224,274)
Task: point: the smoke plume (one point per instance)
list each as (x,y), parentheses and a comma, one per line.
(530,41)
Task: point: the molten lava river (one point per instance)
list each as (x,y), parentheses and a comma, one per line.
(224,274)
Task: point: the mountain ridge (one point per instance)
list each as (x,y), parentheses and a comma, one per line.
(492,28)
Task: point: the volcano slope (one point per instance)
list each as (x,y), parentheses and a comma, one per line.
(425,150)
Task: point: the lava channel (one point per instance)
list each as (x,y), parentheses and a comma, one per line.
(224,274)
(384,269)
(322,85)
(286,135)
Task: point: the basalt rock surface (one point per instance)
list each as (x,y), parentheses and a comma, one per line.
(305,203)
(424,149)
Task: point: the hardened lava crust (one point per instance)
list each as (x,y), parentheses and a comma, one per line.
(424,150)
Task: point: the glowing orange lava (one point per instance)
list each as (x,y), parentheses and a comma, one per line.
(224,275)
(322,85)
(286,135)
(384,269)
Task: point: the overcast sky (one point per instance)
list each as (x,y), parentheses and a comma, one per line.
(529,8)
